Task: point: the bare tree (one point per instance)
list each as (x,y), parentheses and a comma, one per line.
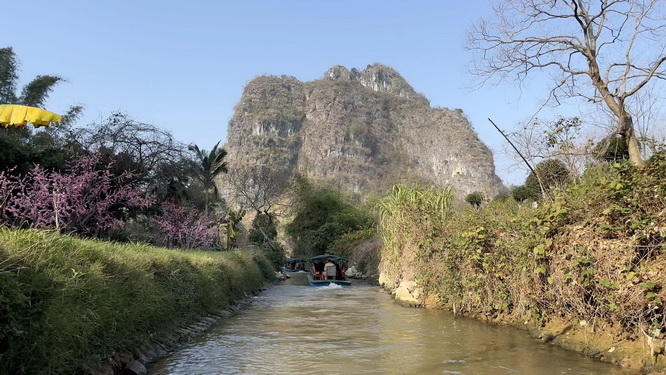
(258,187)
(645,107)
(162,164)
(146,144)
(601,50)
(561,139)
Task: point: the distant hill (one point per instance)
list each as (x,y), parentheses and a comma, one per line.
(359,130)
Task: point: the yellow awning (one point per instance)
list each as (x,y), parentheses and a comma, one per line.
(18,116)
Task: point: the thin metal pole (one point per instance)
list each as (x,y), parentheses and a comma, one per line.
(514,147)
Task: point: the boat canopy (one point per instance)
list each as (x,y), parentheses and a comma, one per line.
(325,258)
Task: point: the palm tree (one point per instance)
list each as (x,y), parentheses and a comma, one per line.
(35,93)
(210,165)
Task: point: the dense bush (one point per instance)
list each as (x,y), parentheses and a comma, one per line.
(612,149)
(263,234)
(592,253)
(548,176)
(475,199)
(322,216)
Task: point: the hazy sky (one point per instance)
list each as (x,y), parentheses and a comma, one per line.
(182,65)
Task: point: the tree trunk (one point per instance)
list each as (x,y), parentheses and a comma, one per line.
(627,129)
(618,107)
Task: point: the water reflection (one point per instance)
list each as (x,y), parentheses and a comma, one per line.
(295,328)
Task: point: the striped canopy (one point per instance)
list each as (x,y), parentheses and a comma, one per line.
(18,116)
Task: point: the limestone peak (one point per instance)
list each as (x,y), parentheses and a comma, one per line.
(378,77)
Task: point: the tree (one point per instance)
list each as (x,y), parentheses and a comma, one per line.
(20,148)
(159,162)
(321,216)
(522,193)
(602,50)
(258,187)
(86,199)
(186,228)
(145,144)
(550,174)
(560,139)
(34,93)
(264,233)
(210,165)
(475,199)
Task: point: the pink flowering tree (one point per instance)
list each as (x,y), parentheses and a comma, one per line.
(186,228)
(88,198)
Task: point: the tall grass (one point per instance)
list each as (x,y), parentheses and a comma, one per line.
(67,303)
(410,218)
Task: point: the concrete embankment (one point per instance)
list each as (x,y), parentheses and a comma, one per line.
(69,305)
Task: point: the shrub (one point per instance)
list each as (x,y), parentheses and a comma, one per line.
(475,199)
(186,228)
(592,252)
(86,199)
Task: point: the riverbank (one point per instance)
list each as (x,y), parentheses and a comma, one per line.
(585,270)
(69,305)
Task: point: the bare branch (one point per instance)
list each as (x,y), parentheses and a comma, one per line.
(618,44)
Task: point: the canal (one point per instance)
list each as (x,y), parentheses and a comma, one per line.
(298,329)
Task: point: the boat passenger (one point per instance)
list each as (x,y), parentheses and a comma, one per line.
(329,265)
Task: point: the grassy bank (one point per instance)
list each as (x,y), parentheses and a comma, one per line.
(590,261)
(67,303)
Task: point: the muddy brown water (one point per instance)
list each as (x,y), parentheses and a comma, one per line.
(293,328)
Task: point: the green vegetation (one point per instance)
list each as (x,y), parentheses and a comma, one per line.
(475,199)
(67,303)
(411,218)
(612,149)
(210,165)
(323,221)
(550,175)
(263,234)
(593,253)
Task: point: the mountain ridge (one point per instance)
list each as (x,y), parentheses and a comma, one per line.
(361,131)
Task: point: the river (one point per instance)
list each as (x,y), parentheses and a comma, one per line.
(297,329)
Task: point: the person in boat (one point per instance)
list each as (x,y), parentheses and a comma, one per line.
(330,264)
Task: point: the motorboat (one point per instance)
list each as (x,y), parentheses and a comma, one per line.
(292,265)
(328,269)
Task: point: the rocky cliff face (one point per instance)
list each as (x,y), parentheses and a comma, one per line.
(359,130)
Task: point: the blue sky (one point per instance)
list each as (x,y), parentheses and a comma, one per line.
(168,62)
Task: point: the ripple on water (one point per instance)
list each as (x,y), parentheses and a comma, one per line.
(359,329)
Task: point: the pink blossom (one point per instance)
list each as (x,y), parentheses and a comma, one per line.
(186,228)
(87,198)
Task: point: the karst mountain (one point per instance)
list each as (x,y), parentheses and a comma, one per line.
(361,131)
